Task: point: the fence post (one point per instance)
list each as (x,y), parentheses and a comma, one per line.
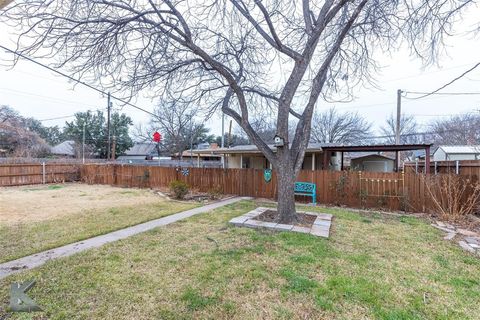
(435,167)
(457,167)
(43,173)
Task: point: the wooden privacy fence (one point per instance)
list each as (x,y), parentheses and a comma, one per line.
(461,167)
(393,191)
(37,173)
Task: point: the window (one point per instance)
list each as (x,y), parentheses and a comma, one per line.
(246,163)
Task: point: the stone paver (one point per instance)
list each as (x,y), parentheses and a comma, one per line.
(320,228)
(467,233)
(41,258)
(468,240)
(320,222)
(239,220)
(450,236)
(320,231)
(465,246)
(473,240)
(283,227)
(301,229)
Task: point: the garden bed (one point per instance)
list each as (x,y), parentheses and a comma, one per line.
(308,222)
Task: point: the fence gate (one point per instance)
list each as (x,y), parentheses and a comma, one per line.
(381,189)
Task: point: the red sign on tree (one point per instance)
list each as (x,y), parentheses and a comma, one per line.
(157,137)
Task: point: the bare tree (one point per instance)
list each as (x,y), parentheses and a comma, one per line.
(176,121)
(457,130)
(235,55)
(16,138)
(332,126)
(409,132)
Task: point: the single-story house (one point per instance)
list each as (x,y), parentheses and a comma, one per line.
(198,155)
(140,151)
(453,153)
(318,156)
(65,149)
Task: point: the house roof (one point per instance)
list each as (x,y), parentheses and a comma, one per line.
(250,148)
(142,149)
(319,147)
(197,152)
(64,148)
(373,155)
(461,149)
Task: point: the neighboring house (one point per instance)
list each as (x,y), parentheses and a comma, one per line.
(318,156)
(453,153)
(66,149)
(419,155)
(140,151)
(197,156)
(373,163)
(248,156)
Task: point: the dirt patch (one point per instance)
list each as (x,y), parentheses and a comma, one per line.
(304,220)
(37,203)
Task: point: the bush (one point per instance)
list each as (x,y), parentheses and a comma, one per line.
(179,189)
(453,196)
(215,193)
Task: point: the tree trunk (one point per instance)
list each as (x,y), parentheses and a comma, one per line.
(286,195)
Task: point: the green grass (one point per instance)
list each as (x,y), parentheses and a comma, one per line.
(386,268)
(23,239)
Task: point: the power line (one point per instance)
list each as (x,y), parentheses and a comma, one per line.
(76,80)
(439,93)
(426,73)
(424,95)
(60,101)
(69,116)
(57,118)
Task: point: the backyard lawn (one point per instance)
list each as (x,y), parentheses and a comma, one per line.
(37,218)
(372,267)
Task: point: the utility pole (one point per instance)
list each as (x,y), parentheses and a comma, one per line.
(109,105)
(223,139)
(114,146)
(83,144)
(191,140)
(223,130)
(230,134)
(399,115)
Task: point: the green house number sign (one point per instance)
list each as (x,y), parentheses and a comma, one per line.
(267,175)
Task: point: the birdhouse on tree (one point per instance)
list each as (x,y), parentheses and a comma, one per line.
(278,141)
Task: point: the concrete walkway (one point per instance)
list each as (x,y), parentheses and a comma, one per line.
(38,259)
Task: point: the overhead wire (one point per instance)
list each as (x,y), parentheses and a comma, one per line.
(76,80)
(436,91)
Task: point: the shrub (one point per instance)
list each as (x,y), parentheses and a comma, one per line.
(453,196)
(179,189)
(215,193)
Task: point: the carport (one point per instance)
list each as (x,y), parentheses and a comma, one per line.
(396,148)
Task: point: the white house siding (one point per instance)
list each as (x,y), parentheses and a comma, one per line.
(257,161)
(233,161)
(453,153)
(251,161)
(439,155)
